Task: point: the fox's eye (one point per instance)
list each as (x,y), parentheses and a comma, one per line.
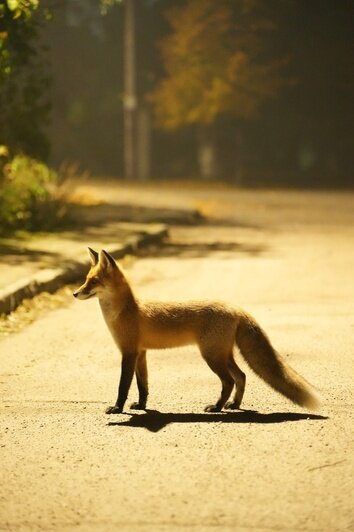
(94,281)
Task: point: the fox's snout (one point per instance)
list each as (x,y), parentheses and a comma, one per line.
(77,293)
(83,293)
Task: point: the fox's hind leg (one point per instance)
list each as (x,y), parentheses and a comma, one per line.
(219,366)
(142,381)
(240,382)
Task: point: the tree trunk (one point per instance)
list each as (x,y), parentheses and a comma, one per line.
(207,153)
(239,165)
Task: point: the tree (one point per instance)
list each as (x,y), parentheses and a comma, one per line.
(216,65)
(23,83)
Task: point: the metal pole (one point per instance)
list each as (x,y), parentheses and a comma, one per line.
(130,100)
(143,143)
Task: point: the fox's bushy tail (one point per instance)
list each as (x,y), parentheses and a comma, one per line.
(259,353)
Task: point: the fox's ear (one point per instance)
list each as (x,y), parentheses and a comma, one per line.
(93,256)
(106,260)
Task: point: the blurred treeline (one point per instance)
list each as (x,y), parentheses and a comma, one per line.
(259,94)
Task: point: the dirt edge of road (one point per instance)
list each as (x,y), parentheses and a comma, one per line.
(51,279)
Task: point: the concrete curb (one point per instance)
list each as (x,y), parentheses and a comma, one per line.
(50,280)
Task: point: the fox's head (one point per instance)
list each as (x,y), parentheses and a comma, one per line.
(103,278)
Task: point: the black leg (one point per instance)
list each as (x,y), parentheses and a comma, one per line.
(227,383)
(240,382)
(126,377)
(142,381)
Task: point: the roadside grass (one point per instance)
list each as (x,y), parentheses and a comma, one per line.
(38,306)
(32,309)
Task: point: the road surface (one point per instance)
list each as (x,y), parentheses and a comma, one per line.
(272,466)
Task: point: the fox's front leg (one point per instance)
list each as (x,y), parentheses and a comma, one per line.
(126,377)
(142,381)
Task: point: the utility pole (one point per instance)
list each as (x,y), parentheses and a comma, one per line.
(130,98)
(143,143)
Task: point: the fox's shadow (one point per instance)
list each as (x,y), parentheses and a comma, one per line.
(154,421)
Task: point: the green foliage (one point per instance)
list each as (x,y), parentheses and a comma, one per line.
(23,83)
(105,5)
(27,194)
(21,8)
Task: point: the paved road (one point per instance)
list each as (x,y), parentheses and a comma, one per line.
(273,466)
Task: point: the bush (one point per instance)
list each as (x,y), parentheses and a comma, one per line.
(27,195)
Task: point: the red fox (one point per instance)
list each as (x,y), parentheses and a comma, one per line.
(214,327)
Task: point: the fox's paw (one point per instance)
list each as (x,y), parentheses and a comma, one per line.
(212,408)
(232,405)
(138,406)
(114,410)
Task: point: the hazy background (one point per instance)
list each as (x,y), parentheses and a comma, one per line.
(302,136)
(248,91)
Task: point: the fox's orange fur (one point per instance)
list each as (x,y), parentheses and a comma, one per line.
(214,327)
